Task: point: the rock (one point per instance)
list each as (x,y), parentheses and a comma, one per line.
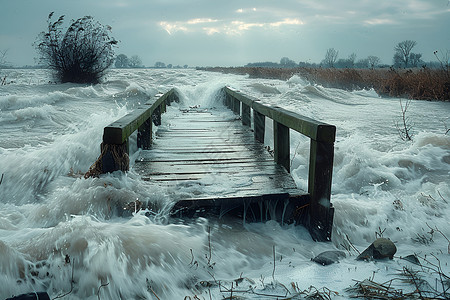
(379,249)
(31,296)
(328,257)
(412,258)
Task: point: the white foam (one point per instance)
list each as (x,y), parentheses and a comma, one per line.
(48,211)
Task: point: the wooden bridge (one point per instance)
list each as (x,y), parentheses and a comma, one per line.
(221,160)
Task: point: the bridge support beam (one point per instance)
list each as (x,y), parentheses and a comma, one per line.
(321,210)
(259,121)
(144,137)
(246,118)
(281,145)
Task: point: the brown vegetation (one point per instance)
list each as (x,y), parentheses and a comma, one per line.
(422,84)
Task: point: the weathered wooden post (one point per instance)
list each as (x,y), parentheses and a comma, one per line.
(319,184)
(236,105)
(259,121)
(115,157)
(281,145)
(156,116)
(115,146)
(246,118)
(144,137)
(163,107)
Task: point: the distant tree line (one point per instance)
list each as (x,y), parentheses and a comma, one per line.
(122,61)
(161,65)
(2,65)
(403,58)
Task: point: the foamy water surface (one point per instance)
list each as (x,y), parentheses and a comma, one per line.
(61,233)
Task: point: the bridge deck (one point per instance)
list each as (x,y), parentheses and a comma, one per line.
(207,160)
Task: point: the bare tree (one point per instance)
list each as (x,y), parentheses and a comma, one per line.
(135,62)
(405,126)
(82,54)
(352,59)
(403,50)
(415,59)
(285,62)
(362,63)
(2,63)
(3,57)
(373,61)
(122,61)
(444,60)
(330,57)
(159,64)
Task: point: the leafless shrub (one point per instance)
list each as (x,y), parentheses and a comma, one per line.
(82,54)
(404,127)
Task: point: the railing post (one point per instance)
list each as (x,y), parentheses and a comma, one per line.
(319,186)
(144,137)
(236,106)
(259,121)
(246,119)
(281,145)
(114,157)
(163,107)
(156,116)
(227,100)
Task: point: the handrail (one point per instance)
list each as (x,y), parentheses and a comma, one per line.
(119,131)
(309,127)
(322,137)
(115,146)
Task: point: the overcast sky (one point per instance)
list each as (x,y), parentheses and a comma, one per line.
(236,32)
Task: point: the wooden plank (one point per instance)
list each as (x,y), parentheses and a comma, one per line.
(282,207)
(213,157)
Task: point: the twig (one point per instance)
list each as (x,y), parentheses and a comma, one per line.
(192,257)
(436,229)
(71,284)
(1,179)
(437,191)
(209,246)
(153,292)
(414,279)
(351,244)
(293,156)
(98,291)
(273,272)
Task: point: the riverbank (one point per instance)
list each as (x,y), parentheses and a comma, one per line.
(421,84)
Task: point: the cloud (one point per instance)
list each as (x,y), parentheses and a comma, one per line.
(377,21)
(233,27)
(287,22)
(201,21)
(172,27)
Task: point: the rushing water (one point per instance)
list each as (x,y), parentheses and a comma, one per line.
(60,233)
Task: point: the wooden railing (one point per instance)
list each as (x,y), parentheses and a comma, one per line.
(116,135)
(322,137)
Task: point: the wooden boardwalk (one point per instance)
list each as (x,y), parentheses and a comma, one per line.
(213,162)
(202,148)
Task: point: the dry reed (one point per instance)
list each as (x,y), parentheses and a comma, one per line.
(421,84)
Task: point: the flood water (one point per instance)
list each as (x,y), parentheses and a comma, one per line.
(61,233)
